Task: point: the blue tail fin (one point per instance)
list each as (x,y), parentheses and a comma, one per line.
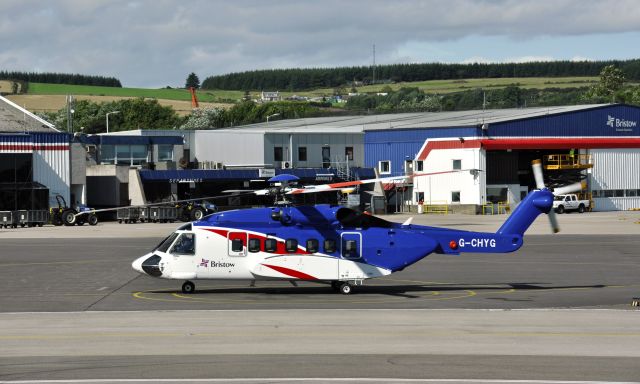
(536,202)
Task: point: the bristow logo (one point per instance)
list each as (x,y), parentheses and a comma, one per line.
(204,263)
(620,123)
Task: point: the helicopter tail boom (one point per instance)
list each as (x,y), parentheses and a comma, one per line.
(536,203)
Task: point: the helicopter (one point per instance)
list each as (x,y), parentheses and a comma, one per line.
(324,243)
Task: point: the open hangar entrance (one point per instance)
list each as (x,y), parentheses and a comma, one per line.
(509,176)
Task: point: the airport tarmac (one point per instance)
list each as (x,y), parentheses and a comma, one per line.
(559,309)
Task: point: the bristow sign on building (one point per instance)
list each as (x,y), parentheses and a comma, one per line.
(621,125)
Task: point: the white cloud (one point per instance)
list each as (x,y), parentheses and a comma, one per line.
(158,42)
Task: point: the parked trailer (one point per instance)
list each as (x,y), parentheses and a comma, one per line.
(143,214)
(163,214)
(5,219)
(127,215)
(19,218)
(37,218)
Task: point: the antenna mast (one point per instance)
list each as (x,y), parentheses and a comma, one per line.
(374,64)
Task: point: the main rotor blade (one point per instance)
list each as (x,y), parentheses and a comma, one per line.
(347,184)
(163,203)
(536,165)
(554,221)
(575,187)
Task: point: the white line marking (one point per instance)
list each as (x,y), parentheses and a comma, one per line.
(307,379)
(102,289)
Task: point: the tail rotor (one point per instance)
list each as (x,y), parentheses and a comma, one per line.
(575,187)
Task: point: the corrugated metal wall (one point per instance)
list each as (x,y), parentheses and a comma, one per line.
(51,164)
(400,145)
(230,148)
(587,123)
(616,169)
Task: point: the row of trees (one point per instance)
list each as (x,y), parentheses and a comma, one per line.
(300,79)
(60,78)
(90,117)
(610,88)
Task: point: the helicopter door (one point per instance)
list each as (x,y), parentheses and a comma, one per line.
(350,252)
(237,243)
(183,251)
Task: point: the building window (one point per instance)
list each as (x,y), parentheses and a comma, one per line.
(326,157)
(138,154)
(107,154)
(384,166)
(608,193)
(123,155)
(632,192)
(455,196)
(348,153)
(619,193)
(595,193)
(419,166)
(302,153)
(420,197)
(457,164)
(165,152)
(277,153)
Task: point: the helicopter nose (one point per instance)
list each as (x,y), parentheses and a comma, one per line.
(137,263)
(149,264)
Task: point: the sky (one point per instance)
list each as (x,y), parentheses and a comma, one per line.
(157,43)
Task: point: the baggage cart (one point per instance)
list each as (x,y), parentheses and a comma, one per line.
(37,217)
(127,215)
(5,219)
(19,218)
(163,214)
(143,214)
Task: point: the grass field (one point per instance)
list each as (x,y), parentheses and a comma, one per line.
(50,97)
(450,86)
(166,94)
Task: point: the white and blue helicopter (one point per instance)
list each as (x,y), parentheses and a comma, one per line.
(324,243)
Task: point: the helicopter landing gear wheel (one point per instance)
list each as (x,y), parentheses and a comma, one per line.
(188,287)
(345,288)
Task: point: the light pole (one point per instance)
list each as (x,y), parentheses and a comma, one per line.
(274,115)
(110,113)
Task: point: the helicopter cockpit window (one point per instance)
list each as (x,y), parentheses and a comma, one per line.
(185,245)
(291,245)
(166,243)
(185,227)
(329,245)
(237,245)
(349,249)
(313,245)
(254,245)
(270,245)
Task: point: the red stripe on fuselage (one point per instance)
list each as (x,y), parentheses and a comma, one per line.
(290,272)
(280,246)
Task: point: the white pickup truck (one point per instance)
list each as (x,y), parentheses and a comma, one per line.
(570,202)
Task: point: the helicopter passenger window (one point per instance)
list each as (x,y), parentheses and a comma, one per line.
(313,245)
(329,245)
(185,245)
(254,245)
(291,245)
(270,245)
(237,245)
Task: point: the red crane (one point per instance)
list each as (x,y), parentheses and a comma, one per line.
(194,98)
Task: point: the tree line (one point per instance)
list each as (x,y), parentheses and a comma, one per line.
(60,78)
(297,79)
